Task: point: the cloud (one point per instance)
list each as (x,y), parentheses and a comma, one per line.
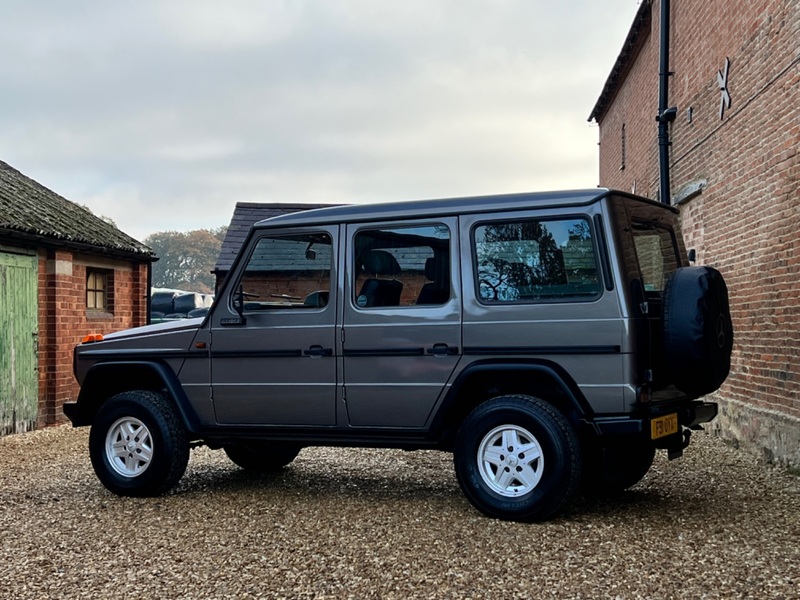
(161,115)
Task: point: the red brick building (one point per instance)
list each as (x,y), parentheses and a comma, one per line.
(735,176)
(64,273)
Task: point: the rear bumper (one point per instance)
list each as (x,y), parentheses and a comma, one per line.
(637,425)
(701,412)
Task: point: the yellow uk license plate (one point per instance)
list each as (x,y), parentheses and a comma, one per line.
(663,426)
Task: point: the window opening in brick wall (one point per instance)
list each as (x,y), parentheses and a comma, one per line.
(99,286)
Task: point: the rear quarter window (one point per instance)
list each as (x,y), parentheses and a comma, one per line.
(651,244)
(535,261)
(656,254)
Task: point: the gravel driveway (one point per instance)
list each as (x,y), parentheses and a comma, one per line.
(341,523)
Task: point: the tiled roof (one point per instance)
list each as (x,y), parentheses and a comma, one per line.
(245,215)
(31,213)
(637,34)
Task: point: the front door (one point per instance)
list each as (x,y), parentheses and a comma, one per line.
(402,321)
(276,365)
(18,343)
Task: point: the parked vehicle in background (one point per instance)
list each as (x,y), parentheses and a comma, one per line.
(170,304)
(546,340)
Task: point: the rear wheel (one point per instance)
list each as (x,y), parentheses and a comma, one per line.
(517,458)
(137,444)
(262,457)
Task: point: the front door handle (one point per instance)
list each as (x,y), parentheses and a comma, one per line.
(442,350)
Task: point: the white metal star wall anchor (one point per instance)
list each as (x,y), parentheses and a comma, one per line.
(722,80)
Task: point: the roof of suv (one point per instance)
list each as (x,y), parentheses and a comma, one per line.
(423,208)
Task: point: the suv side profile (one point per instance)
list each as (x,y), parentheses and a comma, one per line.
(548,340)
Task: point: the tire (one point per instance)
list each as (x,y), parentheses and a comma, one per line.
(614,470)
(138,445)
(697,330)
(535,478)
(259,457)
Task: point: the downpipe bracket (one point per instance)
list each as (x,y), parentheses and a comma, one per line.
(668,115)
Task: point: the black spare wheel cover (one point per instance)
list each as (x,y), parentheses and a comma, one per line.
(698,333)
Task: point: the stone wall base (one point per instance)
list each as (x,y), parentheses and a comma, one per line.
(773,435)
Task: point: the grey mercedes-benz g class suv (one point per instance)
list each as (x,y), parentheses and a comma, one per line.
(547,340)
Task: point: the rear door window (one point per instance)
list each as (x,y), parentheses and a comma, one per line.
(402,266)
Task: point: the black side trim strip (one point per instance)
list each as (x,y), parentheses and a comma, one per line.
(168,354)
(528,350)
(279,353)
(384,352)
(141,354)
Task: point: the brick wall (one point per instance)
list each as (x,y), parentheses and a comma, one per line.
(64,319)
(746,218)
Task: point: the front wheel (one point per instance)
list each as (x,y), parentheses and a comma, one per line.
(517,458)
(137,444)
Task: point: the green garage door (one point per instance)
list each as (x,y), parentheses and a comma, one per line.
(18,343)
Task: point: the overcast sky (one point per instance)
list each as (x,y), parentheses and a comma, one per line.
(163,114)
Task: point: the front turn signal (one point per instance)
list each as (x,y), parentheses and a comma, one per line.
(91,338)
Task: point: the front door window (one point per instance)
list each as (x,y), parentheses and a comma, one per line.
(288,272)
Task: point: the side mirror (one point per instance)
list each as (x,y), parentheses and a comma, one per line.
(692,255)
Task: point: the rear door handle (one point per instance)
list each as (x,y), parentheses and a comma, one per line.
(316,351)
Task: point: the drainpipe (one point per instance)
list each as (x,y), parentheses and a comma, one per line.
(149,289)
(665,115)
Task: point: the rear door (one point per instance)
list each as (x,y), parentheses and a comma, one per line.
(402,320)
(652,249)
